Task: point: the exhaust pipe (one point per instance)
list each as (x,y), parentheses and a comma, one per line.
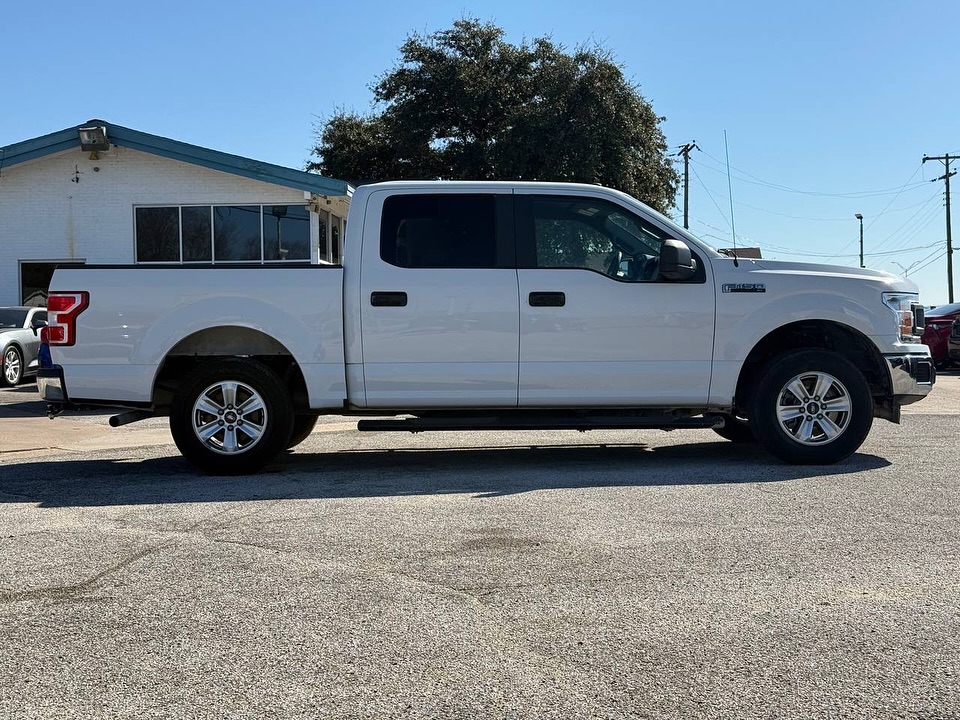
(130,416)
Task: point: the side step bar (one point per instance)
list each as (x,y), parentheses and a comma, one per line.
(541,422)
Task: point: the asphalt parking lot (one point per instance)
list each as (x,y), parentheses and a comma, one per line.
(479,575)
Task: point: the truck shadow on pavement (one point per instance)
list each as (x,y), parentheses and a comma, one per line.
(481,472)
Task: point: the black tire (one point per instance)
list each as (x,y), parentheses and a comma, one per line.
(802,434)
(736,430)
(11,365)
(302,427)
(232,446)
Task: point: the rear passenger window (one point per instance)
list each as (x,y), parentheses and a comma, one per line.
(439,231)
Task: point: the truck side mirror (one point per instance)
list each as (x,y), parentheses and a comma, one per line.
(676,261)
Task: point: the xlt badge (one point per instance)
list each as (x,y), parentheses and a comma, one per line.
(744,288)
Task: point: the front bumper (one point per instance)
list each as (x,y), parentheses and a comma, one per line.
(911,376)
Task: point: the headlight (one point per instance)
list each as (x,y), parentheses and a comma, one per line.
(908,312)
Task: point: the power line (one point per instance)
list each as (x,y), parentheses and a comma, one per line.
(930,207)
(931,199)
(786,188)
(877,216)
(931,262)
(922,225)
(710,195)
(787,251)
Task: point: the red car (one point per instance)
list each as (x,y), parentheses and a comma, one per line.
(954,343)
(938,323)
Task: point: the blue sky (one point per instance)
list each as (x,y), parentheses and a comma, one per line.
(828,107)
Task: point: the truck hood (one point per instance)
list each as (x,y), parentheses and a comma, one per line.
(880,277)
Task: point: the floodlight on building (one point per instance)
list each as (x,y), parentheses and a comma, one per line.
(93,138)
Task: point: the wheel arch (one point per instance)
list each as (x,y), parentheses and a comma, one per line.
(844,340)
(227,341)
(12,342)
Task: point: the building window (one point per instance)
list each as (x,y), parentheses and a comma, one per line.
(286,232)
(35,281)
(237,233)
(335,239)
(196,224)
(158,234)
(222,233)
(324,223)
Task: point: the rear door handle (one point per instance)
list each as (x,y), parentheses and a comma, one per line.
(547,299)
(388,299)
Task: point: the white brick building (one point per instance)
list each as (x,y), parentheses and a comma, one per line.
(148,199)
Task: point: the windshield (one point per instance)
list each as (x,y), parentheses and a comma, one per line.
(12,318)
(942,310)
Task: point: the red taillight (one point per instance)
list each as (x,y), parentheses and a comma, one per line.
(62,311)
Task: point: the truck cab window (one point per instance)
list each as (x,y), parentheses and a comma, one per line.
(439,231)
(590,234)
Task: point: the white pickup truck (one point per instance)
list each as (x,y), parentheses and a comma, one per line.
(476,306)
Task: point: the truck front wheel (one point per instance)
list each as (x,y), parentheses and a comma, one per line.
(231,416)
(812,407)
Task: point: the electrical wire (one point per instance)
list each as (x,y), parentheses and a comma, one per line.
(785,188)
(697,175)
(931,262)
(878,215)
(787,251)
(924,216)
(883,242)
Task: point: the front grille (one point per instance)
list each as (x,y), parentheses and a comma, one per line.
(917,310)
(923,372)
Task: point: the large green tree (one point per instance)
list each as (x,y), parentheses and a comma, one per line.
(465,104)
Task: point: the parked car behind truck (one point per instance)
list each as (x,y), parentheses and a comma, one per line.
(476,305)
(20,342)
(953,343)
(938,324)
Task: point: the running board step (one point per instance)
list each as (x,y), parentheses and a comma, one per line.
(543,422)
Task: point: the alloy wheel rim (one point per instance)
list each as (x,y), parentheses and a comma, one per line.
(229,417)
(814,408)
(11,366)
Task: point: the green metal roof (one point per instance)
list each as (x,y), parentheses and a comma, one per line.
(175,150)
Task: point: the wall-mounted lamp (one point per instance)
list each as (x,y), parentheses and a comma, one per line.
(93,138)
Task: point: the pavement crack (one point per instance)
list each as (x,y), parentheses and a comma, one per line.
(68,591)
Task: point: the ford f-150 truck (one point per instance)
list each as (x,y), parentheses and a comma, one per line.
(480,305)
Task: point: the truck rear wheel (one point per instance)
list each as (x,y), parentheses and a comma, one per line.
(231,416)
(812,407)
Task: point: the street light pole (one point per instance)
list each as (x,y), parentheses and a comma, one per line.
(859,217)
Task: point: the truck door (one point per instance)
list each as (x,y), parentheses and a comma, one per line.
(440,308)
(599,327)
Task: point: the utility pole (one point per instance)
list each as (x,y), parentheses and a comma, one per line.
(685,151)
(945,159)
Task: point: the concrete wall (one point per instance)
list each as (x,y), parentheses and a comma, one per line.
(46,216)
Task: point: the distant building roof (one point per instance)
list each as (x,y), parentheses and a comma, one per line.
(175,150)
(750,253)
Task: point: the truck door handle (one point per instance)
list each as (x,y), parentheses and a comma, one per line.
(388,299)
(547,299)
